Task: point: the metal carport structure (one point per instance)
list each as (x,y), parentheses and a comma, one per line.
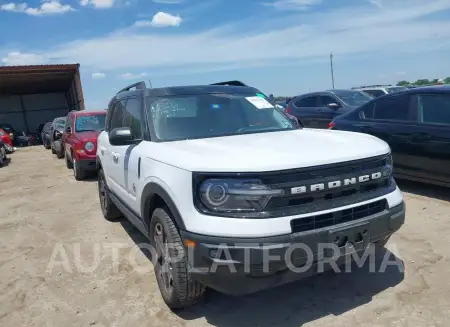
(33,95)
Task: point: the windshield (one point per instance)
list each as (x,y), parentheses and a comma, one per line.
(60,122)
(90,123)
(395,89)
(353,98)
(197,116)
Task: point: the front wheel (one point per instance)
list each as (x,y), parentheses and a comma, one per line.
(3,156)
(47,144)
(78,172)
(69,164)
(171,265)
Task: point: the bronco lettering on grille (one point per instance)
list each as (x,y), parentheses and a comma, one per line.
(336,184)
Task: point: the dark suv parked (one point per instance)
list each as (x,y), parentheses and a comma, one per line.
(416,124)
(318,109)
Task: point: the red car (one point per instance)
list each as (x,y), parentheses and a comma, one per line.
(7,140)
(79,141)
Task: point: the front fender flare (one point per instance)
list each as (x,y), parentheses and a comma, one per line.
(149,191)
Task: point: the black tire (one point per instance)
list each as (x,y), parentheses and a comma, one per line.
(109,209)
(182,291)
(3,156)
(60,154)
(69,163)
(78,172)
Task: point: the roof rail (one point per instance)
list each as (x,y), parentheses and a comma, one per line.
(230,83)
(139,86)
(366,86)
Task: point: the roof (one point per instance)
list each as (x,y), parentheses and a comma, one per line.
(432,89)
(189,90)
(37,78)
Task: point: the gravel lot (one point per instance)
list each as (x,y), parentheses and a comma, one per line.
(43,209)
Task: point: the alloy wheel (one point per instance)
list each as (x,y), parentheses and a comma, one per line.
(163,257)
(103,194)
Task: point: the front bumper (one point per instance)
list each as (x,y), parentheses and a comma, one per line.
(88,164)
(238,266)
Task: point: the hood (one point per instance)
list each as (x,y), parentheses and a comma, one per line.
(268,151)
(88,135)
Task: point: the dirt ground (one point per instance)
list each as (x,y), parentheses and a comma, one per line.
(45,212)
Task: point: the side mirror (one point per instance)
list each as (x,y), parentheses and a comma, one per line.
(333,105)
(69,130)
(58,134)
(120,136)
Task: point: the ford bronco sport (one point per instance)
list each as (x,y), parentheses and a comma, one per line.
(209,174)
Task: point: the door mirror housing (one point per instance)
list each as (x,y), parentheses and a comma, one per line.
(120,136)
(333,105)
(69,130)
(58,134)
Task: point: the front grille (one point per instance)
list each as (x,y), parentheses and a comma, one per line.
(295,204)
(337,217)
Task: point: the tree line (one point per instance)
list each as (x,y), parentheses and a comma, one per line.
(424,81)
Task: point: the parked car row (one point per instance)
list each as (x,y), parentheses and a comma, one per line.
(415,122)
(74,138)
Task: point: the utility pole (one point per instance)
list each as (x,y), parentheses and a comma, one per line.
(332,70)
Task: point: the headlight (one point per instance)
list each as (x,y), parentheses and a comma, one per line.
(230,195)
(89,146)
(390,161)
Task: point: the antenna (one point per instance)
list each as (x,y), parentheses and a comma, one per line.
(150,82)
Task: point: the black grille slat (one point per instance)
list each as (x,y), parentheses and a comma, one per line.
(337,217)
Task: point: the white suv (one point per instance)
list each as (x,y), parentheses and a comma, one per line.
(218,179)
(379,90)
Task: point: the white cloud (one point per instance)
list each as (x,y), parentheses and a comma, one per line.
(160,19)
(98,75)
(169,2)
(398,28)
(19,59)
(133,76)
(292,4)
(401,73)
(99,4)
(47,8)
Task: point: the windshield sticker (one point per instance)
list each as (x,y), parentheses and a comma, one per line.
(215,106)
(261,95)
(259,102)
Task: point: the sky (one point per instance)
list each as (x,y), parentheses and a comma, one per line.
(281,47)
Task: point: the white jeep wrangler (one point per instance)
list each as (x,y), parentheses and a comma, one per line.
(217,178)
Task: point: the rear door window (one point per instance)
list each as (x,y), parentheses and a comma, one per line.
(325,100)
(307,102)
(393,108)
(434,108)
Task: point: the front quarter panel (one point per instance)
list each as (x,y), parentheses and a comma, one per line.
(171,183)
